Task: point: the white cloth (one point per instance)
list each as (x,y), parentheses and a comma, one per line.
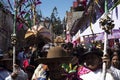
(39,72)
(115,72)
(97,75)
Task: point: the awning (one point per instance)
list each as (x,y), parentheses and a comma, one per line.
(96,28)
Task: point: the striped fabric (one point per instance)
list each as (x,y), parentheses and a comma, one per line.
(46,47)
(38,30)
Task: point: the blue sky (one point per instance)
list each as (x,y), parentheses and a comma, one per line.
(62,6)
(47,6)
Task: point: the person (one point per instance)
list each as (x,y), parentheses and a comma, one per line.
(115,61)
(30,70)
(1,53)
(34,55)
(4,72)
(117,45)
(68,47)
(21,56)
(91,68)
(55,58)
(114,68)
(40,72)
(18,74)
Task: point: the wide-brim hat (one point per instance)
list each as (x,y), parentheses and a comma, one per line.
(7,63)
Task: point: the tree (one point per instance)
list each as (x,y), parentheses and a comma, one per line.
(57,27)
(26,11)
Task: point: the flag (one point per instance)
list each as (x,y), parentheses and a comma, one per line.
(101,10)
(20,26)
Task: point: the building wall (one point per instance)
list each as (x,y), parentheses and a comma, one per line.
(6,24)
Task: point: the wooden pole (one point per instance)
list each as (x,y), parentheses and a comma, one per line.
(105,43)
(34,16)
(13,36)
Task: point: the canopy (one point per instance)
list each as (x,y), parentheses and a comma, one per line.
(115,35)
(96,28)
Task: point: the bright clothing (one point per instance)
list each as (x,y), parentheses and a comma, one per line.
(4,73)
(40,72)
(115,72)
(83,70)
(96,75)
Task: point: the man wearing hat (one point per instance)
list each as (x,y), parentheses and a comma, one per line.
(55,57)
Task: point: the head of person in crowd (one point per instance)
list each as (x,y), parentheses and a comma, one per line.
(63,45)
(111,58)
(92,60)
(115,61)
(30,70)
(117,45)
(69,48)
(1,53)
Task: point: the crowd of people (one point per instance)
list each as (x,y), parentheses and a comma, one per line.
(87,63)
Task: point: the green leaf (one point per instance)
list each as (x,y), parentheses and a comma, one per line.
(27,15)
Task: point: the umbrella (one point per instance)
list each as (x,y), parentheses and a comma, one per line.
(114,35)
(39,31)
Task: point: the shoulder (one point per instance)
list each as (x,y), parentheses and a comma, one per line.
(8,78)
(109,76)
(88,76)
(83,70)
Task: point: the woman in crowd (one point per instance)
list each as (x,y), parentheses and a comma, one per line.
(115,66)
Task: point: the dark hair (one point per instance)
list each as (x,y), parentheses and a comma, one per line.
(69,45)
(92,58)
(115,53)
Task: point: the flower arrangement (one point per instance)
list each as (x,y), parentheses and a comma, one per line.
(70,71)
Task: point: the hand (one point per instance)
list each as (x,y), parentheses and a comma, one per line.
(106,59)
(14,75)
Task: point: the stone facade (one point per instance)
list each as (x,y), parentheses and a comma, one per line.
(6,24)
